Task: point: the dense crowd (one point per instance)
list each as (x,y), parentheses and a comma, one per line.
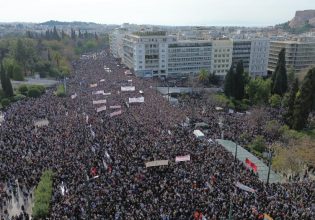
(99,161)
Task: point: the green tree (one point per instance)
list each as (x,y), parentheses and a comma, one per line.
(213,79)
(229,83)
(304,101)
(33,93)
(13,69)
(3,79)
(290,105)
(6,83)
(203,76)
(291,76)
(275,100)
(258,90)
(279,77)
(239,91)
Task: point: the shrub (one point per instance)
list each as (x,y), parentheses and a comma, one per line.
(61,91)
(38,87)
(43,194)
(5,102)
(34,93)
(275,101)
(258,144)
(18,97)
(23,89)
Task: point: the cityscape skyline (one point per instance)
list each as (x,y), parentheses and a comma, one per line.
(170,13)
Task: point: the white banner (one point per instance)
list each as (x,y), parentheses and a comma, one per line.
(93,85)
(115,106)
(100,109)
(136,100)
(128,88)
(41,123)
(74,96)
(115,113)
(102,101)
(102,80)
(100,92)
(156,163)
(182,158)
(244,187)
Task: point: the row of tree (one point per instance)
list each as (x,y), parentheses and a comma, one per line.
(55,34)
(300,101)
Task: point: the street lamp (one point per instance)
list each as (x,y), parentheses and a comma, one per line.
(269,165)
(221,126)
(235,151)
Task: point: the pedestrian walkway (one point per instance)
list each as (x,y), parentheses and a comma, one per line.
(242,154)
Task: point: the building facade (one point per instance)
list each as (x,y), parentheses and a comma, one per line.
(259,54)
(156,54)
(188,58)
(221,57)
(299,55)
(146,53)
(241,52)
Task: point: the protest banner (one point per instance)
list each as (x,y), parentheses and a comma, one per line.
(128,88)
(136,100)
(115,113)
(102,101)
(100,109)
(182,158)
(156,163)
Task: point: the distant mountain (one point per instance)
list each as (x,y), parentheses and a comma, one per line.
(303,17)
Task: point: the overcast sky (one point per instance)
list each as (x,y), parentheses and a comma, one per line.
(163,12)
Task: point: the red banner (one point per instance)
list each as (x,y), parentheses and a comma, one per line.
(251,164)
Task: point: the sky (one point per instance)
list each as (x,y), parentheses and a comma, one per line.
(157,12)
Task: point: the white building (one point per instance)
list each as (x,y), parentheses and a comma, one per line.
(221,56)
(146,53)
(188,57)
(259,54)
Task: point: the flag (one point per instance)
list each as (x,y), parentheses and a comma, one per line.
(251,164)
(244,187)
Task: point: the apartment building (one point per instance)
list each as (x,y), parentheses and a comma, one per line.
(221,56)
(116,42)
(259,54)
(241,52)
(188,57)
(154,53)
(299,54)
(146,53)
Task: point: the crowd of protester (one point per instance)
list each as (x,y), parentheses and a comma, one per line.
(99,161)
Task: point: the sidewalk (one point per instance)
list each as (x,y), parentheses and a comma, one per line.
(242,154)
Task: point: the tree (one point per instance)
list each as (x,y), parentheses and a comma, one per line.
(3,79)
(291,76)
(258,90)
(239,81)
(213,79)
(290,105)
(13,69)
(9,89)
(229,83)
(304,101)
(275,101)
(203,76)
(279,77)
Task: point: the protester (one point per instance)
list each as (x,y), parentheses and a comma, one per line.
(99,161)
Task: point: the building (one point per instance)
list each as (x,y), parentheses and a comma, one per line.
(242,52)
(221,56)
(299,55)
(188,57)
(116,42)
(259,54)
(146,53)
